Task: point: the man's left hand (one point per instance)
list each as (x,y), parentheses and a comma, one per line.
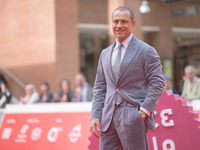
(142,115)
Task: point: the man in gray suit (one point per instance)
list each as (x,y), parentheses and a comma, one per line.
(128,85)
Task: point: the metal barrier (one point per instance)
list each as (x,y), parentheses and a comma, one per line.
(12,76)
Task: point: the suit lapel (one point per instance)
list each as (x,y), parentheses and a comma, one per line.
(109,60)
(131,51)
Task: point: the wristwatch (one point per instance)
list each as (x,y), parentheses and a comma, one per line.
(142,115)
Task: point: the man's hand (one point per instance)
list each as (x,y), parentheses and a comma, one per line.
(95,124)
(142,115)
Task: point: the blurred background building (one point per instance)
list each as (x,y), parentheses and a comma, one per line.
(55,39)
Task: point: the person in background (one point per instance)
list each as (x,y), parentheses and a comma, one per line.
(31,95)
(168,84)
(56,98)
(180,84)
(191,87)
(5,95)
(65,94)
(46,95)
(83,89)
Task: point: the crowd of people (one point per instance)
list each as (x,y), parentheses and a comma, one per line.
(191,87)
(83,92)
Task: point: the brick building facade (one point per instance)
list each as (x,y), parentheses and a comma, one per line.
(55,39)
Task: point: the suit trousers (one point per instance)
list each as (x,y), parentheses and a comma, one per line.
(126,131)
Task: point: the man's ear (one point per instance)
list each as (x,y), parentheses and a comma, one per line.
(133,23)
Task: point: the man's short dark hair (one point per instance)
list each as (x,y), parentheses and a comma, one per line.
(123,8)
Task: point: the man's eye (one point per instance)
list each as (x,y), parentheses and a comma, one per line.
(123,22)
(116,22)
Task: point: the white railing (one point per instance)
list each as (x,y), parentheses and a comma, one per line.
(12,76)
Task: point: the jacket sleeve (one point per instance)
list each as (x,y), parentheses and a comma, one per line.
(154,78)
(99,92)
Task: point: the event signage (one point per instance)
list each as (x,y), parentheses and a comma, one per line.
(46,127)
(66,126)
(177,126)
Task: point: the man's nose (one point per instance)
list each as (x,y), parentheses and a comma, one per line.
(119,25)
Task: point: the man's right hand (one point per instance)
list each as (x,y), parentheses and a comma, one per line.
(95,124)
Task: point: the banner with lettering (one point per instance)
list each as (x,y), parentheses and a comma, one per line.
(67,129)
(67,126)
(177,126)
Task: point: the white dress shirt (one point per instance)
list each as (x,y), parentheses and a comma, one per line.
(123,50)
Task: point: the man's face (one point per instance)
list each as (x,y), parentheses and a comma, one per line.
(190,74)
(79,81)
(122,24)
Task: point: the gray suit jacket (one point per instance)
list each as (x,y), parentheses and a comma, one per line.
(140,81)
